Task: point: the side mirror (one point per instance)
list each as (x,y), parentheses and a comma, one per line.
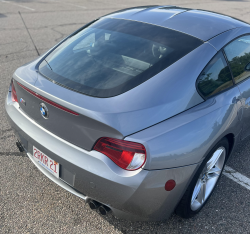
(247,67)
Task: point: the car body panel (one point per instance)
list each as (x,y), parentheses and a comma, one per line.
(202,24)
(245,93)
(28,73)
(80,130)
(93,173)
(186,138)
(221,40)
(152,15)
(244,88)
(198,23)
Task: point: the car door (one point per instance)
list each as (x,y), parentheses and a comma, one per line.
(238,55)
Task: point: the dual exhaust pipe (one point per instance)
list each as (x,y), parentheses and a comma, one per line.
(19,146)
(94,205)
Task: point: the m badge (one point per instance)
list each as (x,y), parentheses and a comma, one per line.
(22,101)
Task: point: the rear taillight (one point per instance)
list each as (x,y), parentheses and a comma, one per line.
(126,154)
(13,93)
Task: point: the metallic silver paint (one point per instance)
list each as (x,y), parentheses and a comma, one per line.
(186,138)
(83,130)
(198,23)
(56,180)
(244,88)
(222,39)
(203,24)
(166,114)
(129,192)
(154,15)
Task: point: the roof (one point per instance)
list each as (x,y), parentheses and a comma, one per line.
(198,23)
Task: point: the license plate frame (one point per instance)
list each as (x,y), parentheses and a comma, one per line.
(46,162)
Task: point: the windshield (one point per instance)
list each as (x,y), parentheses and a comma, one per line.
(113,56)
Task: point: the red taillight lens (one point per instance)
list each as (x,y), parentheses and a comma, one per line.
(126,154)
(13,93)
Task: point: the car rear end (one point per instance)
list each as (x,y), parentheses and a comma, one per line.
(91,175)
(77,131)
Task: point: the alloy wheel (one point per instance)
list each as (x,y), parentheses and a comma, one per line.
(208,178)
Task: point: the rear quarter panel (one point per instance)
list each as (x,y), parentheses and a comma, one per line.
(186,138)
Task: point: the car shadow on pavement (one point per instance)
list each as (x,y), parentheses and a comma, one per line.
(170,225)
(19,154)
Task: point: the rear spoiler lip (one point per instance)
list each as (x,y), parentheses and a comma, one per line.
(48,96)
(47,100)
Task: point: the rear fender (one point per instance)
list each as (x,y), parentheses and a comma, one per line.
(188,137)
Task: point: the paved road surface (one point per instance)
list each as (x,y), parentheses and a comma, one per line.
(30,202)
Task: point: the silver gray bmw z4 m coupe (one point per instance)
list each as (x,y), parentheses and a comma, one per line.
(138,111)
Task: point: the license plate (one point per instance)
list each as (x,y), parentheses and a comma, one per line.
(46,162)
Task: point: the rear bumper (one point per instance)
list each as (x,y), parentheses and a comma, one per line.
(138,195)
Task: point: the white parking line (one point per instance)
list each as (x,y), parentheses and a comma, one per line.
(70,4)
(237,177)
(19,5)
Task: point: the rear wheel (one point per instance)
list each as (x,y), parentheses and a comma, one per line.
(204,181)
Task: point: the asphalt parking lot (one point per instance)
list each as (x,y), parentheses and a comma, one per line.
(29,201)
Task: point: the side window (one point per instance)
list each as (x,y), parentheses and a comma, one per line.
(238,55)
(216,77)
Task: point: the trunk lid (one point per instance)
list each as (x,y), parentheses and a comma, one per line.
(79,129)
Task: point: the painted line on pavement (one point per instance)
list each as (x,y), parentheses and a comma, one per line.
(70,4)
(237,177)
(19,5)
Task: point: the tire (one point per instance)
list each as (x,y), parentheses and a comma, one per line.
(204,181)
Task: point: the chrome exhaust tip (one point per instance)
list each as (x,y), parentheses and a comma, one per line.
(104,210)
(94,204)
(19,146)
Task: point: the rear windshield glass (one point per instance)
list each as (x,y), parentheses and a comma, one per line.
(113,56)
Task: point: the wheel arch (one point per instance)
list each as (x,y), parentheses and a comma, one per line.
(231,142)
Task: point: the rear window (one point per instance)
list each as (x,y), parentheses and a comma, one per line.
(113,56)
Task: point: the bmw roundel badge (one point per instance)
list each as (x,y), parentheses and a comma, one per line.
(44,111)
